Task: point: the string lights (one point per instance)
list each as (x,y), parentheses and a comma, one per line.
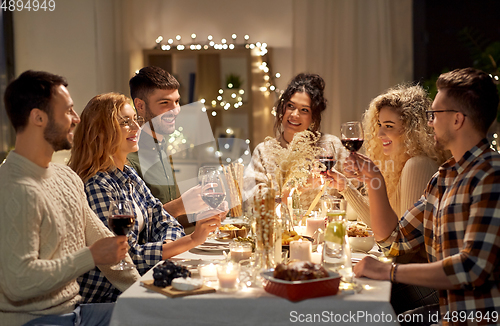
(231,97)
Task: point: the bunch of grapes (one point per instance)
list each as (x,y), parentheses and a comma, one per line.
(164,274)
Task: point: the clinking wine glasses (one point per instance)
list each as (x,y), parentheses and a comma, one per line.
(121,220)
(326,154)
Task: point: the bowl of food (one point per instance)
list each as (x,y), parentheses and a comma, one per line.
(300,280)
(231,231)
(360,237)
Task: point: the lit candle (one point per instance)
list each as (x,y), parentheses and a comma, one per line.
(313,224)
(317,256)
(240,251)
(301,230)
(208,272)
(228,275)
(300,250)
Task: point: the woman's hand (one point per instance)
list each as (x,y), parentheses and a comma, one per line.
(359,166)
(339,181)
(205,226)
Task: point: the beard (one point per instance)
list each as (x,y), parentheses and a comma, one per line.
(443,141)
(56,136)
(161,124)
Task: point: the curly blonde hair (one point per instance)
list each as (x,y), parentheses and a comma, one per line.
(410,102)
(97,136)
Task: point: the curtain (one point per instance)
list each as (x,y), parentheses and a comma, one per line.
(359,47)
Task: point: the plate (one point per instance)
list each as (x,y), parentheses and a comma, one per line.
(301,290)
(209,246)
(191,263)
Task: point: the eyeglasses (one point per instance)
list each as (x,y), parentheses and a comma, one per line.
(431,114)
(129,124)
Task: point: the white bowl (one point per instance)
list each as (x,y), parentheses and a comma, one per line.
(362,243)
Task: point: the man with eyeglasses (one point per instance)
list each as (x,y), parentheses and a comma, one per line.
(458,217)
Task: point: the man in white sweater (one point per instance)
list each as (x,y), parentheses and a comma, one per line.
(49,236)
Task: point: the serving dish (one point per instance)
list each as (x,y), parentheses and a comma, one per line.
(241,231)
(301,290)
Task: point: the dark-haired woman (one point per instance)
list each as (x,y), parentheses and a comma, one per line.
(299,108)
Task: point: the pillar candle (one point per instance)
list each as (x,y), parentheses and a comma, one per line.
(228,276)
(313,224)
(300,250)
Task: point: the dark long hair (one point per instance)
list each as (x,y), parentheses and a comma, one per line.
(311,84)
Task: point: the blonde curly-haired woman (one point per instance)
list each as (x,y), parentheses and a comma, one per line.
(399,141)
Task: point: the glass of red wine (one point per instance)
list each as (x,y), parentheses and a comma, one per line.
(352,135)
(326,154)
(121,220)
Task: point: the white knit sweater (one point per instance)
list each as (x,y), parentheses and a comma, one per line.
(263,165)
(45,228)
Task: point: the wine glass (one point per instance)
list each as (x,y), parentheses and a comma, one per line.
(212,189)
(121,220)
(352,135)
(205,170)
(326,154)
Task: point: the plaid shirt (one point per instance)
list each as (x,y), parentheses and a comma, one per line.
(146,247)
(458,221)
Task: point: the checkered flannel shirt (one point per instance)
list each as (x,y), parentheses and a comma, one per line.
(146,247)
(458,221)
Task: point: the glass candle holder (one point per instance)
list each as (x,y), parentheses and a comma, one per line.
(208,273)
(228,274)
(240,251)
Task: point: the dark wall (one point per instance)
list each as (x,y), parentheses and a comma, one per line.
(437,24)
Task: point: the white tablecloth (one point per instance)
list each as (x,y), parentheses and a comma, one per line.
(139,306)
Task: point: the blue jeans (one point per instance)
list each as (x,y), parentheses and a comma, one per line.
(93,314)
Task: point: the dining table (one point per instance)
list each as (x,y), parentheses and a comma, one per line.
(367,304)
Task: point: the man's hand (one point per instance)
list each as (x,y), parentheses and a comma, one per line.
(192,201)
(221,212)
(372,268)
(109,250)
(204,227)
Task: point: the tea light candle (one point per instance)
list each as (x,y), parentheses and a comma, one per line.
(317,257)
(386,259)
(228,275)
(300,250)
(313,224)
(240,251)
(208,272)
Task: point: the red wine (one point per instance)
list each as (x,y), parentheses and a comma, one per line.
(213,199)
(121,224)
(328,161)
(352,144)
